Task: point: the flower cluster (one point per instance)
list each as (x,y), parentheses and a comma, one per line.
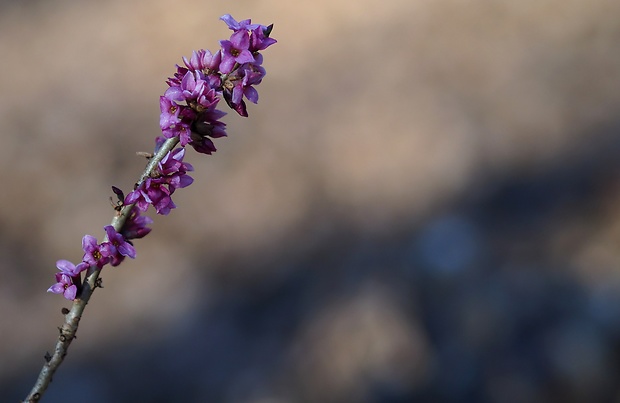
(188,113)
(113,251)
(171,174)
(188,107)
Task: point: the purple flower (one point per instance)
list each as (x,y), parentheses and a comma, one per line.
(96,254)
(173,164)
(65,279)
(259,40)
(240,108)
(204,61)
(208,64)
(182,130)
(247,76)
(136,225)
(208,124)
(66,267)
(240,83)
(231,72)
(169,113)
(238,26)
(120,247)
(139,198)
(236,50)
(193,86)
(160,197)
(207,100)
(203,145)
(177,120)
(152,192)
(64,285)
(178,76)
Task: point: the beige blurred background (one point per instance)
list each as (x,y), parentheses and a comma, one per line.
(423,206)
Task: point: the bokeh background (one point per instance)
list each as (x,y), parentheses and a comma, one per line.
(423,207)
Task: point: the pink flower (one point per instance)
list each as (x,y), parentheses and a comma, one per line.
(65,279)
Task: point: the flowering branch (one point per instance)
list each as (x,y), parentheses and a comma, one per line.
(188,117)
(73,316)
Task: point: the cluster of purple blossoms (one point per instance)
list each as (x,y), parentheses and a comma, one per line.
(188,112)
(171,174)
(113,251)
(188,107)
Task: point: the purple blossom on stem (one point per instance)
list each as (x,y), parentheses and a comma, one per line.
(64,285)
(175,120)
(119,246)
(236,50)
(139,197)
(207,64)
(238,26)
(160,196)
(178,76)
(96,254)
(183,121)
(208,124)
(205,61)
(192,86)
(136,225)
(188,107)
(169,113)
(172,165)
(246,77)
(203,145)
(68,279)
(171,174)
(181,130)
(259,40)
(152,191)
(69,268)
(241,83)
(188,112)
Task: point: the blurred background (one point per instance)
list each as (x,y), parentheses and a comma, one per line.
(424,206)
